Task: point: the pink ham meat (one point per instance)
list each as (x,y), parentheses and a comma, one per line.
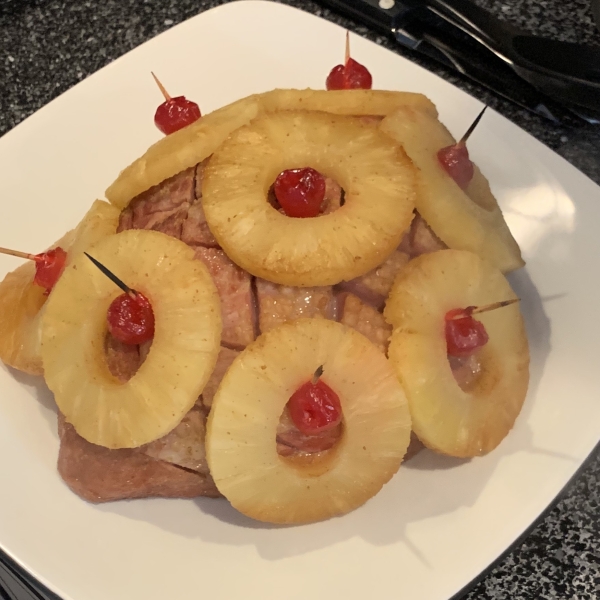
(366,320)
(163,207)
(98,474)
(292,442)
(279,303)
(422,238)
(374,287)
(195,231)
(235,291)
(184,446)
(224,360)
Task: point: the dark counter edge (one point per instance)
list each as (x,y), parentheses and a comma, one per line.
(38,591)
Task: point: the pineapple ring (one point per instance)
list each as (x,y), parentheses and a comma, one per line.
(241,429)
(375,173)
(182,356)
(464,220)
(445,417)
(22,302)
(196,142)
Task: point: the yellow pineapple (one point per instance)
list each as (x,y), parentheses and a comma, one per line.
(375,173)
(467,420)
(180,150)
(464,220)
(241,429)
(345,102)
(22,301)
(184,351)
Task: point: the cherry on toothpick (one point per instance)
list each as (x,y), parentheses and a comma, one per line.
(455,159)
(349,76)
(464,334)
(130,317)
(314,407)
(48,265)
(174,113)
(300,192)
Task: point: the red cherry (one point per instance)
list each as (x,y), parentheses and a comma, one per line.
(131,319)
(351,76)
(315,407)
(464,335)
(175,114)
(456,162)
(300,192)
(49,267)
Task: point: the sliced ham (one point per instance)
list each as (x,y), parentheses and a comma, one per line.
(226,357)
(235,291)
(98,474)
(122,360)
(195,230)
(366,320)
(184,445)
(423,240)
(279,303)
(291,441)
(374,287)
(163,207)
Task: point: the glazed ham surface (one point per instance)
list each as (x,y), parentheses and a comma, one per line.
(175,465)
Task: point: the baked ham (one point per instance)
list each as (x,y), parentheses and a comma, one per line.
(175,465)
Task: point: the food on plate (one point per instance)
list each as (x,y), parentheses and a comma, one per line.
(246,410)
(256,248)
(179,362)
(180,150)
(174,113)
(465,383)
(349,76)
(22,300)
(455,159)
(374,172)
(193,144)
(467,219)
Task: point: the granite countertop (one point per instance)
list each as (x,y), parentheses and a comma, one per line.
(47,46)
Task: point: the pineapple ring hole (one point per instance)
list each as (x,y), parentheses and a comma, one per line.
(124,360)
(301,450)
(333,200)
(467,371)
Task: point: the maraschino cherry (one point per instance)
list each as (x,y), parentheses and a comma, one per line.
(130,317)
(48,265)
(349,76)
(455,159)
(174,113)
(314,407)
(464,334)
(300,192)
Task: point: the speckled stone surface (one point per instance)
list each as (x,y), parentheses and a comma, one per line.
(46,46)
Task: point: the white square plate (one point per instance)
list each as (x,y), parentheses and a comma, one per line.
(440,522)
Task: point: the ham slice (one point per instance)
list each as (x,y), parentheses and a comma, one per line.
(366,320)
(98,474)
(237,303)
(279,303)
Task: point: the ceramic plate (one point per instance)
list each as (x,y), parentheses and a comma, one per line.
(439,522)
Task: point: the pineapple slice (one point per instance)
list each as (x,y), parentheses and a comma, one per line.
(464,220)
(345,102)
(180,150)
(191,145)
(183,354)
(377,176)
(241,430)
(447,418)
(22,302)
